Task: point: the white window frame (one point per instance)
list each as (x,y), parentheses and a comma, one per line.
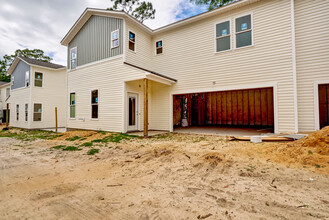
(251,29)
(17,112)
(26,111)
(112,47)
(43,75)
(91,104)
(131,41)
(27,79)
(38,112)
(156,47)
(75,109)
(230,35)
(76,58)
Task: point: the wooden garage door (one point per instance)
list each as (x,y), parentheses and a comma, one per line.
(252,107)
(324,105)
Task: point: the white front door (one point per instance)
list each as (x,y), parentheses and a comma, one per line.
(132,112)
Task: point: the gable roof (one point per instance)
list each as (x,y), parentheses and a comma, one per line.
(2,83)
(33,62)
(120,14)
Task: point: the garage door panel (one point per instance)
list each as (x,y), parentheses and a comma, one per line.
(324,105)
(235,107)
(264,106)
(252,107)
(214,108)
(245,107)
(270,102)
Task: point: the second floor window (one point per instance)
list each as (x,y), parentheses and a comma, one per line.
(94,104)
(115,39)
(26,112)
(159,47)
(243,29)
(27,78)
(132,39)
(37,112)
(73,58)
(38,79)
(72,105)
(12,80)
(17,112)
(223,36)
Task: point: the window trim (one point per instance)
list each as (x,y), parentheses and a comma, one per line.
(159,47)
(251,29)
(76,59)
(26,86)
(117,30)
(231,35)
(17,112)
(26,112)
(43,75)
(91,105)
(38,112)
(135,43)
(75,94)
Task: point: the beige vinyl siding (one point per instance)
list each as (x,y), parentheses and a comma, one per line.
(142,56)
(52,94)
(189,56)
(312,53)
(108,77)
(20,97)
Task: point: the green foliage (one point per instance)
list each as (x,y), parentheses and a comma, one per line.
(93,152)
(71,148)
(73,138)
(29,135)
(7,60)
(140,10)
(87,144)
(115,138)
(59,147)
(212,4)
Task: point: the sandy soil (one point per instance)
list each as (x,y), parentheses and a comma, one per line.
(169,177)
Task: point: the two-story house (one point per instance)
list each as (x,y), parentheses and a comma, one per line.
(4,94)
(251,63)
(37,88)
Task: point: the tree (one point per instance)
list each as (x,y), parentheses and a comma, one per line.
(7,60)
(212,3)
(140,10)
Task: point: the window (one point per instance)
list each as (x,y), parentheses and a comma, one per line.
(132,38)
(26,112)
(72,105)
(243,29)
(17,112)
(73,57)
(38,79)
(27,78)
(12,80)
(94,104)
(37,112)
(159,47)
(7,92)
(223,36)
(115,39)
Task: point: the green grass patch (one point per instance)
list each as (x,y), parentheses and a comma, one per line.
(99,141)
(87,144)
(116,138)
(29,135)
(59,147)
(93,152)
(73,138)
(71,148)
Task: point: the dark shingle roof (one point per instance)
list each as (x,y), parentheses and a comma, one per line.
(3,83)
(41,63)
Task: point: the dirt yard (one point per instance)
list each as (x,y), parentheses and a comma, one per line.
(99,175)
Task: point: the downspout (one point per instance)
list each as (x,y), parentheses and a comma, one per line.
(294,65)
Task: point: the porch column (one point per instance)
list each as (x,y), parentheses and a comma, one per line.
(146,107)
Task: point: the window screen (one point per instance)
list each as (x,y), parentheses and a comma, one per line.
(72,105)
(115,39)
(73,57)
(38,79)
(37,112)
(223,36)
(94,104)
(132,39)
(159,47)
(243,28)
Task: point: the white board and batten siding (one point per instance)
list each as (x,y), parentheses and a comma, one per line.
(312,54)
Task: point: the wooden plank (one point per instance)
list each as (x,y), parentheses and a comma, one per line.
(213,108)
(219,107)
(245,107)
(240,107)
(234,107)
(229,107)
(270,102)
(264,108)
(224,108)
(146,107)
(258,113)
(208,108)
(251,107)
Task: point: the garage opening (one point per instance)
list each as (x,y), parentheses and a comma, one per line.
(324,105)
(249,108)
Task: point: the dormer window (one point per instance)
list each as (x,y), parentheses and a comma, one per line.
(132,39)
(159,47)
(115,39)
(73,57)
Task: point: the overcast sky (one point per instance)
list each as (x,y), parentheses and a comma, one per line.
(41,24)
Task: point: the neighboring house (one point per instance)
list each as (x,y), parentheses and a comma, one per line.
(36,89)
(251,63)
(4,95)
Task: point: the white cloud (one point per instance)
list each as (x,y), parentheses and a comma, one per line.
(42,24)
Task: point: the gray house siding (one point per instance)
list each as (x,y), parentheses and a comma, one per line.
(19,75)
(93,41)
